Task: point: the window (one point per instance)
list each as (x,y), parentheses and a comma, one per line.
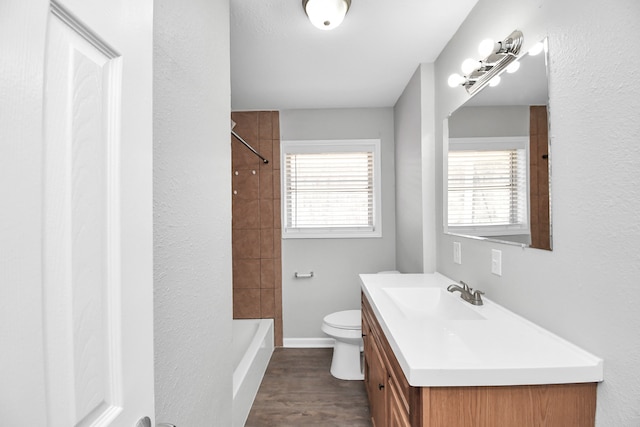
(487,185)
(331,189)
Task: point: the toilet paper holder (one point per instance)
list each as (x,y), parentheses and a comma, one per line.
(303,275)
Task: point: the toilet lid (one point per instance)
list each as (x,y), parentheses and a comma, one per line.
(348,319)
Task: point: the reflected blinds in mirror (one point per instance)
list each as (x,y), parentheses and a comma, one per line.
(487,190)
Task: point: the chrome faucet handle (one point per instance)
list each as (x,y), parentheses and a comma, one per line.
(477,298)
(465,286)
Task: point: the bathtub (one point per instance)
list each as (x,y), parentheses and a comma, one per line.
(252,346)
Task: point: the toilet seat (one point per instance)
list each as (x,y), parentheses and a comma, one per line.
(348,319)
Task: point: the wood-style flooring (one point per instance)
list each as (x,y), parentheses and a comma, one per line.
(299,391)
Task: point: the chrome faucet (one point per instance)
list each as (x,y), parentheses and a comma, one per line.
(466,293)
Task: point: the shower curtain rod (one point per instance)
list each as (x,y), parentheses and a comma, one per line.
(246,144)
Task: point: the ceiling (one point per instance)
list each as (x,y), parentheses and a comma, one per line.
(280,61)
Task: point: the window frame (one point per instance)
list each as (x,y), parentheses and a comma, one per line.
(489,144)
(330,146)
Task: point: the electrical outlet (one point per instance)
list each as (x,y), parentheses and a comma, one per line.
(457,253)
(496,262)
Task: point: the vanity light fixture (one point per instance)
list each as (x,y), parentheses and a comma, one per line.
(498,56)
(326,14)
(513,67)
(495,81)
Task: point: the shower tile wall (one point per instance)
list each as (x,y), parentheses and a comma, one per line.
(257,273)
(539,177)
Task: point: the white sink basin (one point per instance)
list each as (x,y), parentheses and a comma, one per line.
(431,302)
(441,340)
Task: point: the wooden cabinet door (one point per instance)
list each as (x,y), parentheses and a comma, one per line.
(398,416)
(367,339)
(377,386)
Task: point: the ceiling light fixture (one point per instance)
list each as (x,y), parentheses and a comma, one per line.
(326,14)
(498,56)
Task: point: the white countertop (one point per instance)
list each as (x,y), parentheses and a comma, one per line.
(491,346)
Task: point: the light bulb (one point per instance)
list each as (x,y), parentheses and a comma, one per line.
(495,81)
(513,67)
(536,49)
(455,80)
(326,14)
(486,47)
(469,65)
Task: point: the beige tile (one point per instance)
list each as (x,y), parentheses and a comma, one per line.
(267,273)
(534,201)
(266,243)
(267,303)
(265,125)
(276,154)
(246,304)
(242,157)
(246,214)
(278,332)
(265,148)
(277,270)
(246,273)
(543,209)
(275,118)
(246,125)
(266,213)
(276,184)
(277,243)
(278,292)
(277,224)
(266,183)
(247,129)
(246,243)
(245,184)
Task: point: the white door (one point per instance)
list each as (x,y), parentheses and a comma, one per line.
(76,326)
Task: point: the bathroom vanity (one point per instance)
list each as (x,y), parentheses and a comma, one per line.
(434,360)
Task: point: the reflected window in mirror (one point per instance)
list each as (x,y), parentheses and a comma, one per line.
(497,169)
(487,187)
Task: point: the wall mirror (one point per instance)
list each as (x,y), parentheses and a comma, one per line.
(497,164)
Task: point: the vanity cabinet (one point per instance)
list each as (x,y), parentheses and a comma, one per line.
(387,388)
(394,403)
(376,382)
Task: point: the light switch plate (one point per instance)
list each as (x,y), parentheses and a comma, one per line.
(496,262)
(457,253)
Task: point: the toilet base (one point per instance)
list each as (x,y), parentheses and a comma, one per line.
(346,363)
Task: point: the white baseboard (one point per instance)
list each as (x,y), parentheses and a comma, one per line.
(308,342)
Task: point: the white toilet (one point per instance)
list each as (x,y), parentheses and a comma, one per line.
(345,328)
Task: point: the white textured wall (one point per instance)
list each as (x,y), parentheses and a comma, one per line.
(587,289)
(336,263)
(192,213)
(415,174)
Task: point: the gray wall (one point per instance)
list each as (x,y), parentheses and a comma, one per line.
(408,152)
(336,263)
(477,122)
(192,213)
(415,177)
(586,289)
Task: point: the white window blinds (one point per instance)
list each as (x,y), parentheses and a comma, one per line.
(487,188)
(329,189)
